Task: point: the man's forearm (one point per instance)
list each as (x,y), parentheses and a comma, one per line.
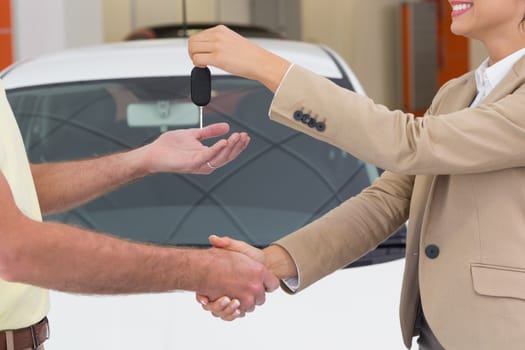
(65,185)
(61,186)
(70,259)
(67,258)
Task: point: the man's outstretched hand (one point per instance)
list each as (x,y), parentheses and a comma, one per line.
(181,151)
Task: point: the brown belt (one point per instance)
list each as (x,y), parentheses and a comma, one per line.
(26,338)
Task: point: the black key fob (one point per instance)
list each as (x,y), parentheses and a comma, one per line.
(200,86)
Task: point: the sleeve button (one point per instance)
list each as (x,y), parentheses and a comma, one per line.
(321,126)
(306,118)
(298,115)
(432,251)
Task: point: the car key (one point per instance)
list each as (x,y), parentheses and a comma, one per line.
(200,89)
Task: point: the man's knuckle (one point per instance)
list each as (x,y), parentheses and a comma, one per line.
(255,288)
(259,270)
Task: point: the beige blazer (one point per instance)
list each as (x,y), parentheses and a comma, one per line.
(457,174)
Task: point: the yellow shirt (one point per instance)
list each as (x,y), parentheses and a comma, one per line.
(20,305)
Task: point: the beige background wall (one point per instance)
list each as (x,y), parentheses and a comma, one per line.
(121,16)
(366,34)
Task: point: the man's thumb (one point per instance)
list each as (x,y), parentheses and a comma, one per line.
(220,242)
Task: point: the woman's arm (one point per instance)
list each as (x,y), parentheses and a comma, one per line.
(453,139)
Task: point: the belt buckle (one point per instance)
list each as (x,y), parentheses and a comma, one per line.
(34,335)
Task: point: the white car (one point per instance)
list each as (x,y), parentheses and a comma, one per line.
(92,101)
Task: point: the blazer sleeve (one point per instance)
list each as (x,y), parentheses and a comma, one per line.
(470,140)
(351,230)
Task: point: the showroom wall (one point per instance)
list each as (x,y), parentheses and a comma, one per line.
(45,26)
(122,16)
(367,35)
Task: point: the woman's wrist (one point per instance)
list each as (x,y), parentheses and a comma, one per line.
(273,70)
(279,261)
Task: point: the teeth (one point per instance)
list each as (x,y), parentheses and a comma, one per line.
(461,7)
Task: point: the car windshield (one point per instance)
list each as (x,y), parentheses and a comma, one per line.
(282,181)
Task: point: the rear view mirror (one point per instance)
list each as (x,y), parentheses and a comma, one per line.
(162,114)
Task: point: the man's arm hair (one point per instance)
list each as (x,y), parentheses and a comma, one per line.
(66,185)
(71,259)
(62,186)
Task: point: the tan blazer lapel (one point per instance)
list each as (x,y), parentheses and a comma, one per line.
(458,95)
(511,82)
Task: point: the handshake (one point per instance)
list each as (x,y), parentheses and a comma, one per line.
(243,274)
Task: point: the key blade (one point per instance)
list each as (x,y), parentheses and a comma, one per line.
(200,116)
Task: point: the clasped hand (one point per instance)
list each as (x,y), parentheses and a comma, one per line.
(225,307)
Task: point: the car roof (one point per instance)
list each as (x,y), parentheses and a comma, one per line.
(149,58)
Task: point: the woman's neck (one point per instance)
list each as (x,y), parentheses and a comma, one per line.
(499,48)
